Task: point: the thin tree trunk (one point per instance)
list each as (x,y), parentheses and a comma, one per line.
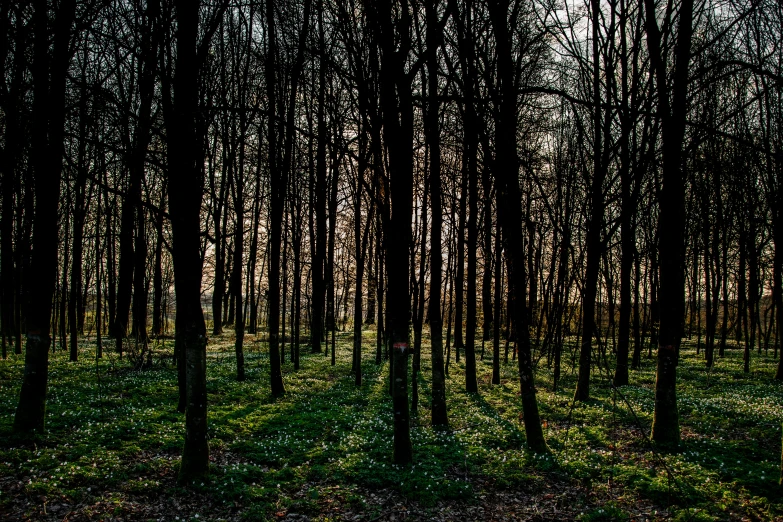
(276,210)
(496,321)
(239,250)
(320,195)
(629,201)
(459,283)
(98,271)
(594,244)
(439,413)
(157,278)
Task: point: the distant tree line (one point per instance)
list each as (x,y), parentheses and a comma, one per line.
(512,174)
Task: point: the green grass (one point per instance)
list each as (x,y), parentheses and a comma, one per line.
(113,440)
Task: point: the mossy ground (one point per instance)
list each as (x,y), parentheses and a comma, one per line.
(324,449)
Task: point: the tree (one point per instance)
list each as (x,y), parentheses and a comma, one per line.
(46,155)
(594,246)
(672,110)
(12,104)
(510,215)
(186,187)
(319,194)
(277,198)
(391,25)
(434,38)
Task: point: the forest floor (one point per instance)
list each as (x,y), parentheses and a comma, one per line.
(323,450)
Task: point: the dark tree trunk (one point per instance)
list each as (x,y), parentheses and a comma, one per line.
(510,215)
(380,334)
(417,289)
(372,284)
(75,303)
(459,281)
(47,149)
(496,320)
(288,151)
(157,278)
(636,360)
(331,311)
(709,342)
(239,250)
(62,318)
(111,273)
(98,273)
(297,290)
(470,171)
(277,199)
(140,285)
(253,254)
(397,115)
(594,246)
(629,202)
(439,409)
(471,382)
(149,46)
(361,249)
(486,279)
(11,172)
(186,185)
(319,250)
(724,268)
(125,270)
(777,273)
(671,224)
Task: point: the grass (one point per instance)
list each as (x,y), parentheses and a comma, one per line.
(113,441)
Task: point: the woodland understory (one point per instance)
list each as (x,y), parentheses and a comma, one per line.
(322,452)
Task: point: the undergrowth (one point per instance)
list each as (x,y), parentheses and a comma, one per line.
(112,430)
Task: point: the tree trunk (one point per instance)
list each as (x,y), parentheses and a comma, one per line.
(98,271)
(47,149)
(496,320)
(380,335)
(220,217)
(79,214)
(359,260)
(486,279)
(239,250)
(671,224)
(510,215)
(397,114)
(185,205)
(111,272)
(331,310)
(140,286)
(459,282)
(439,412)
(628,202)
(594,244)
(11,173)
(157,278)
(277,197)
(471,382)
(319,250)
(636,361)
(417,288)
(62,321)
